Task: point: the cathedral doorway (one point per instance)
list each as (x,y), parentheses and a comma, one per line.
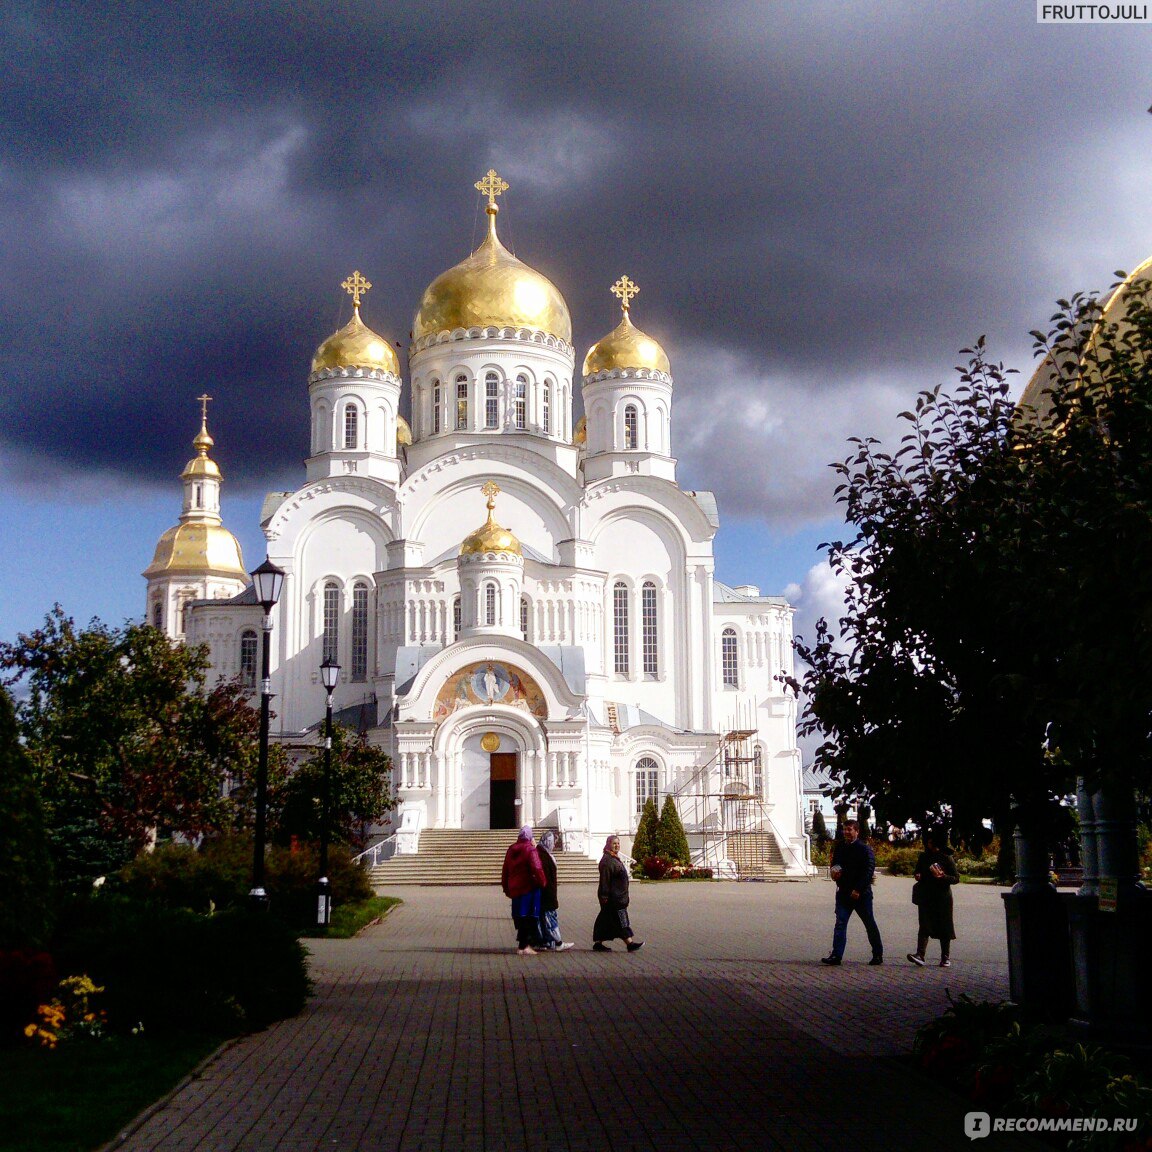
(502,790)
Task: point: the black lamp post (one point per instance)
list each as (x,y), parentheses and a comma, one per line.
(268,580)
(329,675)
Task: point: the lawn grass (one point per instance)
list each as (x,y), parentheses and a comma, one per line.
(76,1097)
(348,919)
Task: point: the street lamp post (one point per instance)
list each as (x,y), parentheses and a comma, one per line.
(329,675)
(268,581)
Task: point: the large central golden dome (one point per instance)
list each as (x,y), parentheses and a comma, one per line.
(492,289)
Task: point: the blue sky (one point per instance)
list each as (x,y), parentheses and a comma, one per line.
(822,202)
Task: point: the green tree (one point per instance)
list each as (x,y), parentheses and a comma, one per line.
(25,865)
(819,831)
(644,842)
(126,741)
(360,792)
(670,840)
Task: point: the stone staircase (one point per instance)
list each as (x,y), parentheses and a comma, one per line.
(468,856)
(756,855)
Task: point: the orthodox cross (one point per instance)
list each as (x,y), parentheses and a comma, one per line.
(625,289)
(204,407)
(356,285)
(491,186)
(491,490)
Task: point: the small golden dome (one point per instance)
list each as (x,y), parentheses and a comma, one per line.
(490,537)
(199,549)
(580,436)
(492,289)
(356,346)
(200,464)
(403,431)
(626,347)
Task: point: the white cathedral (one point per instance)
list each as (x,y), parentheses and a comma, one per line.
(524,609)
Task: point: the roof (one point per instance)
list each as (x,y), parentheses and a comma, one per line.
(725,594)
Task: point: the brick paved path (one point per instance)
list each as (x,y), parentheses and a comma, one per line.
(428,1032)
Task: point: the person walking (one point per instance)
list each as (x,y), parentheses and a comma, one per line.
(853,869)
(935,875)
(612,923)
(550,936)
(522,879)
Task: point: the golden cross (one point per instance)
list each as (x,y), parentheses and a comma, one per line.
(204,407)
(625,289)
(356,285)
(491,186)
(491,490)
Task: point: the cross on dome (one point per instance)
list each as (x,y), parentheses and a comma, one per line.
(491,490)
(625,289)
(491,186)
(204,407)
(356,285)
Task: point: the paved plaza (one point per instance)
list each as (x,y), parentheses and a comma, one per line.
(428,1032)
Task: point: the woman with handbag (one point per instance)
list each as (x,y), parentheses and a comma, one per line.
(932,895)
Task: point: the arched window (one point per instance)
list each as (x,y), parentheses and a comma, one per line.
(198,495)
(351,425)
(520,401)
(648,629)
(248,658)
(435,406)
(456,617)
(360,631)
(461,403)
(546,411)
(630,427)
(491,400)
(331,634)
(490,604)
(185,610)
(525,615)
(758,771)
(158,614)
(647,783)
(620,628)
(729,666)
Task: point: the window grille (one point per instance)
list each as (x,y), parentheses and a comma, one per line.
(491,400)
(351,425)
(758,772)
(436,407)
(729,664)
(524,616)
(331,632)
(490,604)
(158,614)
(620,628)
(461,403)
(648,629)
(546,413)
(248,658)
(360,632)
(456,617)
(520,401)
(647,783)
(630,427)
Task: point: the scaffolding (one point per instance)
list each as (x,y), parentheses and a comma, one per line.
(722,803)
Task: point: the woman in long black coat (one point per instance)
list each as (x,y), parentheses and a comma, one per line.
(613,922)
(935,875)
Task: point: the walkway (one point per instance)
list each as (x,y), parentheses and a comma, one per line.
(428,1032)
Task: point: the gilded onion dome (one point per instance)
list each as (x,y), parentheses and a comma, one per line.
(490,537)
(626,347)
(492,289)
(356,345)
(403,431)
(201,464)
(580,436)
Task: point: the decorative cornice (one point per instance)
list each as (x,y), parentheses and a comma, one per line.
(523,335)
(629,374)
(326,374)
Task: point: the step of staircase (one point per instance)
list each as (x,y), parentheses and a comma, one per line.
(756,855)
(457,856)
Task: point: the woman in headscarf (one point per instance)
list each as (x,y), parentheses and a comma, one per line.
(549,901)
(522,879)
(935,875)
(613,923)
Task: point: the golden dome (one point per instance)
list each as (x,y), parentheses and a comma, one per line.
(492,289)
(1035,391)
(200,464)
(490,537)
(403,431)
(580,436)
(356,346)
(200,549)
(626,346)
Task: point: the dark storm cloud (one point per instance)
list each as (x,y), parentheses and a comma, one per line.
(821,202)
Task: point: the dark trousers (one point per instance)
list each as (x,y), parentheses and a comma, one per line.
(845,906)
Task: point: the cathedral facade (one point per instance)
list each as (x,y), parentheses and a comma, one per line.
(523,606)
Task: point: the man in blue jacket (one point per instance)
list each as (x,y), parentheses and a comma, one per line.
(853,867)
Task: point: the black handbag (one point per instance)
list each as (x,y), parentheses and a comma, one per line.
(916,892)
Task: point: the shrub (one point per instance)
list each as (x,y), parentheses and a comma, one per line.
(644,842)
(656,867)
(900,861)
(670,840)
(177,971)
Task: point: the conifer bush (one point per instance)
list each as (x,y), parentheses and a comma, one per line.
(671,842)
(644,842)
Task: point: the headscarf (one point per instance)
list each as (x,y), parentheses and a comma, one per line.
(527,832)
(548,841)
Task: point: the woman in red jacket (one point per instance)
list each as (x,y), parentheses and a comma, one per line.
(522,880)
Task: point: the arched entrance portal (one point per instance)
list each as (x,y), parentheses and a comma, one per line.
(489,793)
